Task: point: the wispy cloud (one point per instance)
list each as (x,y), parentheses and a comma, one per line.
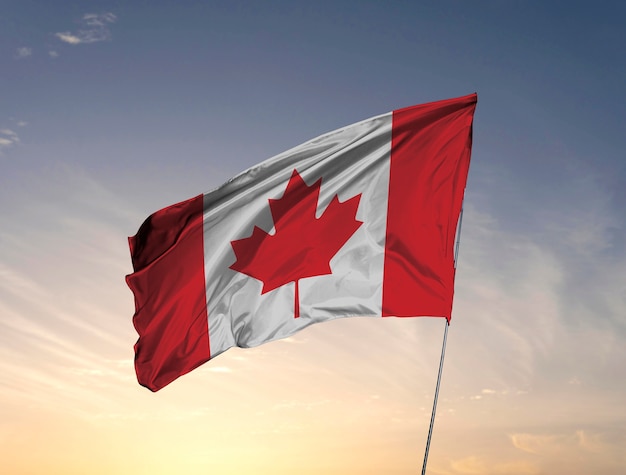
(68,37)
(558,443)
(95,28)
(53,54)
(8,138)
(23,52)
(477,465)
(577,451)
(219,369)
(55,345)
(99,20)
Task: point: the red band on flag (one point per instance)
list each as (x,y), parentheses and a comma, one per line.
(170,296)
(430,154)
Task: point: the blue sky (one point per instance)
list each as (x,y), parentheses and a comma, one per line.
(112,110)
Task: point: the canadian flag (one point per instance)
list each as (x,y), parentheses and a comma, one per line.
(360,221)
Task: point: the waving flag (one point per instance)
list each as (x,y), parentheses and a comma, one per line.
(360,221)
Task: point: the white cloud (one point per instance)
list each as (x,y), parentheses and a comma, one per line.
(10,133)
(24,52)
(67,37)
(95,29)
(22,123)
(53,54)
(8,138)
(94,19)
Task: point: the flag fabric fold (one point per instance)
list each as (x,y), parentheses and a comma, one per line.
(360,221)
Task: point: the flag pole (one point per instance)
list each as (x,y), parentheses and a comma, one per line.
(432,416)
(443,354)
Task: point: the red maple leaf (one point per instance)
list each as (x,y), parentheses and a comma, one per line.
(302,245)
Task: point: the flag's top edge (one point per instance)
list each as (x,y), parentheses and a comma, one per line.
(462,101)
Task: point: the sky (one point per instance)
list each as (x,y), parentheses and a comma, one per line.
(111,110)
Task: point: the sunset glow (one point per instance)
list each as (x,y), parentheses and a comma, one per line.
(112,110)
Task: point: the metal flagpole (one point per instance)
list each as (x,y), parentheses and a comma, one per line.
(432,416)
(443,354)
